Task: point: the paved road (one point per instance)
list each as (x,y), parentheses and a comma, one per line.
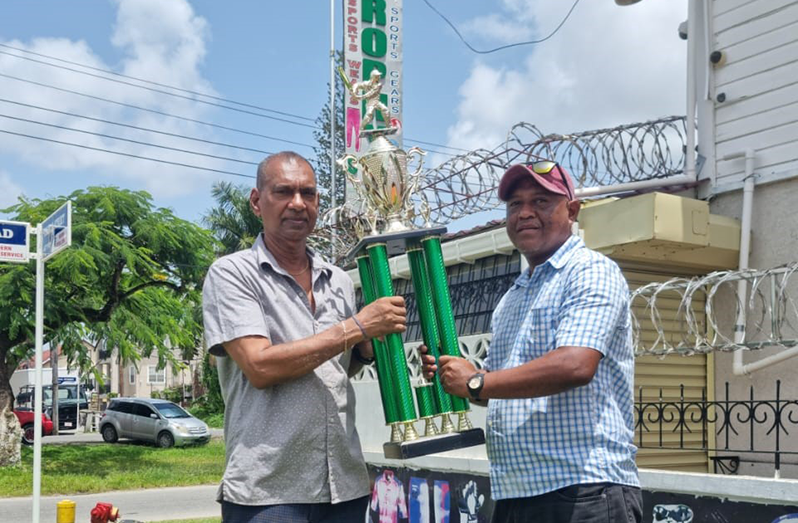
(137,505)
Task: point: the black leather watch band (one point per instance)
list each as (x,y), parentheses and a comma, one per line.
(475,384)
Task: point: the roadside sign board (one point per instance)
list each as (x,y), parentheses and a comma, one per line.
(14,242)
(57,231)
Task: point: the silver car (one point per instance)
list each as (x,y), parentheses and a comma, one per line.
(158,421)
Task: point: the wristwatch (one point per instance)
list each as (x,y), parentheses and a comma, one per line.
(475,384)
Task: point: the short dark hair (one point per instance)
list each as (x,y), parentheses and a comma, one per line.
(263,171)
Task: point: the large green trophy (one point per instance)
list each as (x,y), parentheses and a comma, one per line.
(385,189)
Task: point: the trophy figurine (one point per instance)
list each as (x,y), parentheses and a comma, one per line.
(386,191)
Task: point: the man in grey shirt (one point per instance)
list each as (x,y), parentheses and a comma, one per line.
(283,325)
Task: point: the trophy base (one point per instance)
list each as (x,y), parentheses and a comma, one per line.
(434,444)
(396,242)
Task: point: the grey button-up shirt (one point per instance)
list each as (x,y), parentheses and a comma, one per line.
(294,442)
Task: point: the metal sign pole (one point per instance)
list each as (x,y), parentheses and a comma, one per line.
(77,413)
(37,420)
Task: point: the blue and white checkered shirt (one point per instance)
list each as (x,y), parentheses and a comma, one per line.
(579,298)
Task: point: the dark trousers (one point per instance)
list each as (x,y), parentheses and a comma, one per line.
(587,503)
(346,512)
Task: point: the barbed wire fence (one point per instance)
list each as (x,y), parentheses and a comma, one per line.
(699,315)
(466,184)
(627,153)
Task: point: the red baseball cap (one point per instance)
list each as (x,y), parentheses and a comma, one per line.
(557,180)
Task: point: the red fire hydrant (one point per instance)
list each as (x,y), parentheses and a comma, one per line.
(103,513)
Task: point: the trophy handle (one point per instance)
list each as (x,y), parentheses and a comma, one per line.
(425,210)
(421,154)
(343,163)
(415,176)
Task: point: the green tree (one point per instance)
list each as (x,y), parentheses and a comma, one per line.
(131,278)
(232,222)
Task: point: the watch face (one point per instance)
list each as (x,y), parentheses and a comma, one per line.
(473,383)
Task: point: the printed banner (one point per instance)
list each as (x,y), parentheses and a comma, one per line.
(372,42)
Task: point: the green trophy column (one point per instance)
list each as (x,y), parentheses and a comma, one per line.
(443,303)
(381,356)
(378,254)
(429,328)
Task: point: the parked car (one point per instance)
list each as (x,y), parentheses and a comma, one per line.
(26,421)
(68,403)
(158,421)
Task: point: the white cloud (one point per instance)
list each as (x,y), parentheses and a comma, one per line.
(159,40)
(9,191)
(606,66)
(498,29)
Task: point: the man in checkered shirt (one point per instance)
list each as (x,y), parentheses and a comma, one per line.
(559,372)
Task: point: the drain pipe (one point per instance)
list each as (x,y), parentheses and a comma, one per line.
(692,60)
(738,367)
(745,246)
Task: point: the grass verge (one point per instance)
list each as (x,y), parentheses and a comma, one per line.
(83,469)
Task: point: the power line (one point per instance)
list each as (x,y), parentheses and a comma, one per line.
(163,113)
(517,44)
(137,142)
(129,155)
(155,111)
(160,91)
(147,129)
(196,93)
(439,145)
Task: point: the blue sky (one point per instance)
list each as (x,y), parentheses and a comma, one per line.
(608,65)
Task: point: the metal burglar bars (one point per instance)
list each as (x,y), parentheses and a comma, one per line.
(741,425)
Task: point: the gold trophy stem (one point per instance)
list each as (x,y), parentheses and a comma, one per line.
(396,433)
(463,423)
(447,427)
(429,427)
(410,431)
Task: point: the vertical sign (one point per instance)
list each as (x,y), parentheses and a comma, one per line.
(57,231)
(14,242)
(372,40)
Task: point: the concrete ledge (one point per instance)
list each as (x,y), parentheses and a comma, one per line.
(441,462)
(732,488)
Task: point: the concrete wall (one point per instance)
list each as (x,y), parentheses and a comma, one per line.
(774,242)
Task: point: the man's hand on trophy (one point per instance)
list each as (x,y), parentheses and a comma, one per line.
(454,373)
(428,366)
(383,316)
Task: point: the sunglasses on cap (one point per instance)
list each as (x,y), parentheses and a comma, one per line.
(545,167)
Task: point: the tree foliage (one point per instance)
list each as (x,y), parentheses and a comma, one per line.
(132,279)
(232,222)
